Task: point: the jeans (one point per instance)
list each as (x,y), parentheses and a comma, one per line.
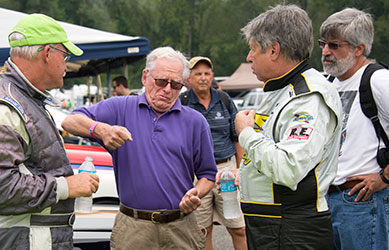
(362,225)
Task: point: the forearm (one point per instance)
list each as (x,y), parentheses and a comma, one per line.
(78,124)
(203,186)
(239,153)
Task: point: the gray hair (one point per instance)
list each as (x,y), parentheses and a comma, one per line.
(26,52)
(352,25)
(167,52)
(288,25)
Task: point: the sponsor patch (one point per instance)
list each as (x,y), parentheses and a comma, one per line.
(302,118)
(259,120)
(300,133)
(15,104)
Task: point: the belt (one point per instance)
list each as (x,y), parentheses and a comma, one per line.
(344,186)
(52,220)
(222,161)
(156,217)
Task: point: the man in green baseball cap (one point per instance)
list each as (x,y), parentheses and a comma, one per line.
(37,182)
(41,29)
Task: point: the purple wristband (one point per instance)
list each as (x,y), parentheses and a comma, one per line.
(92,128)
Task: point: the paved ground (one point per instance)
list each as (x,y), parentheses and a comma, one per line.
(221,239)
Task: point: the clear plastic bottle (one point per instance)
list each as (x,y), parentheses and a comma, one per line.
(84,204)
(231,208)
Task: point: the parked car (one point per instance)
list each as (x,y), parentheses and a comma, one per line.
(93,230)
(251,100)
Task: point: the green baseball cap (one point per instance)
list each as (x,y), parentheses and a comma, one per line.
(40,29)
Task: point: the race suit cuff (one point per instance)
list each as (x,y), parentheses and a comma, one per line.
(245,135)
(62,188)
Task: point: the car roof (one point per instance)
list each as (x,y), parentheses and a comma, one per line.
(77,154)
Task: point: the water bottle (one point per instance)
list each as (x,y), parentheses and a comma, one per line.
(231,208)
(84,204)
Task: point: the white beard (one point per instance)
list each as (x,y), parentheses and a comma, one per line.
(338,67)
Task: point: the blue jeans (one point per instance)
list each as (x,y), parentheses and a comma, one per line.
(362,225)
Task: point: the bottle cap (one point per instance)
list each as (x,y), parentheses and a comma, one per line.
(88,158)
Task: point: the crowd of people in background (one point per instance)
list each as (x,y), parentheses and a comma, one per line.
(311,167)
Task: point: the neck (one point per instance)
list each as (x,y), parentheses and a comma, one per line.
(31,69)
(204,97)
(360,62)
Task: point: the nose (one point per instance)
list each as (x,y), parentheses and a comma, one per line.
(249,57)
(325,50)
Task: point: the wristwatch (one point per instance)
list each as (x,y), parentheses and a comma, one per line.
(383,178)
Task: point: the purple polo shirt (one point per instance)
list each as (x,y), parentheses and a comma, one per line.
(157,168)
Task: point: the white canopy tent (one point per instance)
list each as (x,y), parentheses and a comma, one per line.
(102,50)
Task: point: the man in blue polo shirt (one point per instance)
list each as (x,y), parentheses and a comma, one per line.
(219,110)
(157,146)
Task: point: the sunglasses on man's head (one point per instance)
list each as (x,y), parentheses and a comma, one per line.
(331,45)
(163,82)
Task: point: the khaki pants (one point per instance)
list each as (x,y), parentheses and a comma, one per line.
(183,234)
(211,208)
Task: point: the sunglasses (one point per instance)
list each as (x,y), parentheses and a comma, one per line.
(331,45)
(66,57)
(163,82)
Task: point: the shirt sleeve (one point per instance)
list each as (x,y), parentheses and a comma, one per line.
(297,144)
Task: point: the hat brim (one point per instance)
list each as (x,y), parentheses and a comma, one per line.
(73,48)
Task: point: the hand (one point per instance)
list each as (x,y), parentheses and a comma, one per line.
(369,184)
(82,184)
(112,136)
(386,172)
(244,119)
(219,173)
(190,201)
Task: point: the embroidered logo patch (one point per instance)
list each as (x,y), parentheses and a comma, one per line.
(302,118)
(15,104)
(219,115)
(300,133)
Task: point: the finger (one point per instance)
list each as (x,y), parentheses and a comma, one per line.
(252,113)
(367,195)
(361,194)
(356,188)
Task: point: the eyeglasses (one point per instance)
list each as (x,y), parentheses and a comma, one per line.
(331,45)
(66,56)
(163,82)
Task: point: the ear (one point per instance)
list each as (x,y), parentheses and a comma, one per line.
(358,51)
(144,76)
(44,54)
(275,51)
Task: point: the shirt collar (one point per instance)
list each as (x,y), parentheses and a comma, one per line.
(143,101)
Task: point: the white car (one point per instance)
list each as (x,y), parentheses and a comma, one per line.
(93,230)
(251,100)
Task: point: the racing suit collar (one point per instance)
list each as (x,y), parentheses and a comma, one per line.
(284,80)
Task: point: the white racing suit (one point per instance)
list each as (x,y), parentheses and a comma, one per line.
(34,210)
(290,161)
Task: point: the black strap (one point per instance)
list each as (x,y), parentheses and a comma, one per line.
(367,102)
(184,98)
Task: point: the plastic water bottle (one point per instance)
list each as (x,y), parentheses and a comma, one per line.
(231,208)
(84,204)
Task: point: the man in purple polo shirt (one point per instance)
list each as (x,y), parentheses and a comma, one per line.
(157,146)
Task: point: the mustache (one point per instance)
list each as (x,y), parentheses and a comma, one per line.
(328,58)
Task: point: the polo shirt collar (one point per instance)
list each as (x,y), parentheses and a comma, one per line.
(143,101)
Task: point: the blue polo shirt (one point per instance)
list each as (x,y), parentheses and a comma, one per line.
(157,168)
(221,122)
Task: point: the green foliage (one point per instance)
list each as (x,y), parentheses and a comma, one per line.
(197,27)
